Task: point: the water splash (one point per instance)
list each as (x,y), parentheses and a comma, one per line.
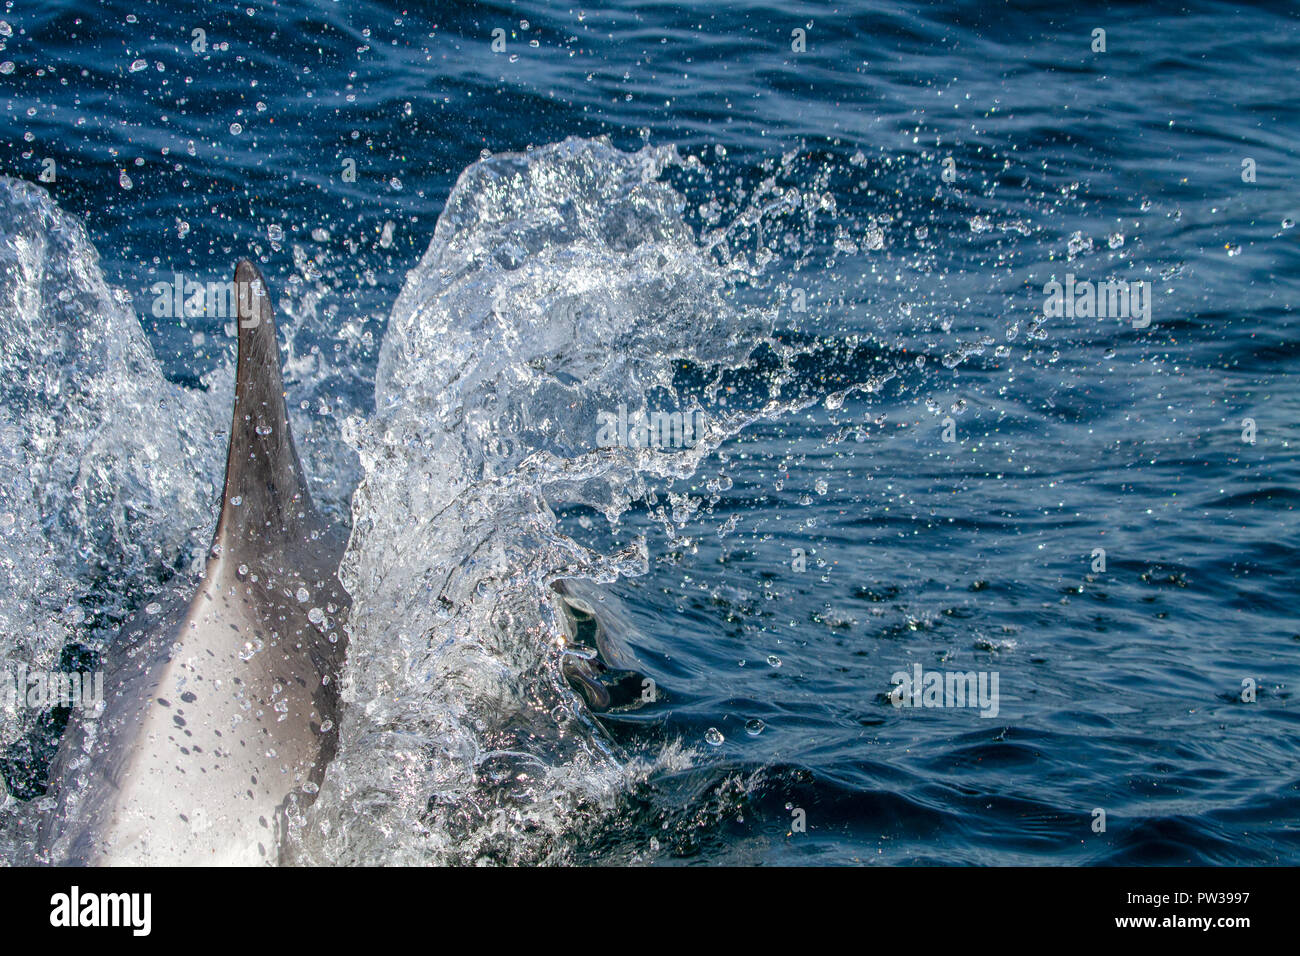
(110,470)
(561,284)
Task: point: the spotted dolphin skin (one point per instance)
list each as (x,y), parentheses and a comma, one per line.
(223,707)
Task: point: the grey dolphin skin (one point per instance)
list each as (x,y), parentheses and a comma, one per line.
(611,677)
(222,708)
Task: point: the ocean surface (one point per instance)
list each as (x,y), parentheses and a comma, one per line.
(828,233)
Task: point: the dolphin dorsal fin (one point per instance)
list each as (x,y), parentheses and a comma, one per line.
(265,503)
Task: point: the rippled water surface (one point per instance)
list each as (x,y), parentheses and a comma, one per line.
(823,231)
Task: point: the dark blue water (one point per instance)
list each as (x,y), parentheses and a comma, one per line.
(1168,158)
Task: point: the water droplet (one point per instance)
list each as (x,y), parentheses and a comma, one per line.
(754,727)
(7,67)
(153,608)
(302,595)
(124,180)
(316,615)
(236,129)
(138,65)
(714,737)
(773,660)
(237,500)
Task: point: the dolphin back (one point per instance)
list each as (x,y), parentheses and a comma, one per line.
(221,713)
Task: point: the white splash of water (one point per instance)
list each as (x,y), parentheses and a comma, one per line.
(110,471)
(560,283)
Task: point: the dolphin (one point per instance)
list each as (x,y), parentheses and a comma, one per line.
(600,665)
(221,709)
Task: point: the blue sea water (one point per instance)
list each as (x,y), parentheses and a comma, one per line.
(834,223)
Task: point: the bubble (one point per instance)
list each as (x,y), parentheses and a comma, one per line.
(138,65)
(773,660)
(303,595)
(1078,244)
(153,608)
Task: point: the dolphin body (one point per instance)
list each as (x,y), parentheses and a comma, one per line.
(222,708)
